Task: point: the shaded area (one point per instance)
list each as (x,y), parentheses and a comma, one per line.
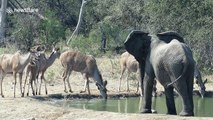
(207,94)
(110,96)
(82,96)
(202,107)
(125,102)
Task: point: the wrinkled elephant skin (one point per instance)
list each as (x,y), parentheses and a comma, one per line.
(168,59)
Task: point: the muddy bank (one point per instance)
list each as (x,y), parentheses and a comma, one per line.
(37,107)
(31,109)
(110,96)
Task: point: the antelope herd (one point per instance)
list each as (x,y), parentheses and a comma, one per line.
(36,63)
(14,63)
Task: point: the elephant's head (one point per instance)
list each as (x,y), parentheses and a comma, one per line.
(138,44)
(168,36)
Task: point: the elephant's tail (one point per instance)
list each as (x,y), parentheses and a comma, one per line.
(184,71)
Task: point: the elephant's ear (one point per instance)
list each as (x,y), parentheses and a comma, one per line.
(137,43)
(168,36)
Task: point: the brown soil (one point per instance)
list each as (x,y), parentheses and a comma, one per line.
(30,108)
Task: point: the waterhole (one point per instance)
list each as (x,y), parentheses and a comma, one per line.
(202,107)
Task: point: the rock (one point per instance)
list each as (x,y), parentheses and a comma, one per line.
(30,118)
(154,111)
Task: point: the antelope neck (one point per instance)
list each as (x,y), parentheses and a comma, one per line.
(51,58)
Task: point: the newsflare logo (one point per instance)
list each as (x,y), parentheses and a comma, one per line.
(22,10)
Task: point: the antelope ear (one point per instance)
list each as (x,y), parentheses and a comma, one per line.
(105,83)
(57,48)
(168,36)
(137,43)
(39,48)
(205,81)
(196,81)
(97,84)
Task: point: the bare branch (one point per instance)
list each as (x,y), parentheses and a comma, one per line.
(79,21)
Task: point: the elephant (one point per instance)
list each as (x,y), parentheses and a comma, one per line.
(167,37)
(169,60)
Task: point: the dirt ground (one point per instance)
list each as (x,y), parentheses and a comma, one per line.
(29,108)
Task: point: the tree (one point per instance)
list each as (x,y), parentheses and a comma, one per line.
(79,21)
(50,30)
(2,20)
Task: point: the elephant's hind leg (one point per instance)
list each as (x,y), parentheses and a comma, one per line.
(170,101)
(183,90)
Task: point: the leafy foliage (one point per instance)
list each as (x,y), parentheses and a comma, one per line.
(51,30)
(191,18)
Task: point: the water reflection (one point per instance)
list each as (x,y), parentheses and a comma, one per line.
(202,107)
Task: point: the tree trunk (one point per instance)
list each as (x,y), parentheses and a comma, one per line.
(2,20)
(79,21)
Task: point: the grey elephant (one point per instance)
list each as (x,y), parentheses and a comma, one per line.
(170,62)
(167,37)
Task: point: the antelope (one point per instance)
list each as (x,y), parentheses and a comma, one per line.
(32,69)
(46,63)
(200,82)
(85,64)
(14,63)
(129,63)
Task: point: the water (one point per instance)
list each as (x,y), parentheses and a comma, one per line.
(202,107)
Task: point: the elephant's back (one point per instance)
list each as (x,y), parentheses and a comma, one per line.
(166,52)
(173,57)
(172,50)
(179,49)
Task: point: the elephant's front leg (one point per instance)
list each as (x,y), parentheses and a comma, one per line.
(140,79)
(170,103)
(148,86)
(154,93)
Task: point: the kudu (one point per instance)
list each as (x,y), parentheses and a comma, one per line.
(39,66)
(32,70)
(46,63)
(129,63)
(85,64)
(200,82)
(14,63)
